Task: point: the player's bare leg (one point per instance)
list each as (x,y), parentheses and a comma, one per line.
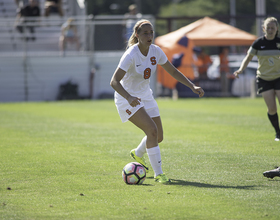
(142,120)
(270,100)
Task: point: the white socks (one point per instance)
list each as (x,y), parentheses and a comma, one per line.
(153,154)
(155,159)
(141,149)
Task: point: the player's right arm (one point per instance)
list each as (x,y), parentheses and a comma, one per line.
(117,86)
(176,74)
(244,64)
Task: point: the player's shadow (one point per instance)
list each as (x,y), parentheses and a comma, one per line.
(206,185)
(277,180)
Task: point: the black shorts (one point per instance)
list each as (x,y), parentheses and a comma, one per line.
(264,85)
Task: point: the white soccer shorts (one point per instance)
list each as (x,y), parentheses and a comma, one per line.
(125,110)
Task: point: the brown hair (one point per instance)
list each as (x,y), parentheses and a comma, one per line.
(136,29)
(271,19)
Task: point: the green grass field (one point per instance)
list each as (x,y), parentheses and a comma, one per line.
(63,160)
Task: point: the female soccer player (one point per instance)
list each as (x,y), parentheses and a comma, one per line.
(267,49)
(133,95)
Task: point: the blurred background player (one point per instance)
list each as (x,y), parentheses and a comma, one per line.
(205,61)
(130,20)
(31,10)
(224,70)
(53,6)
(69,34)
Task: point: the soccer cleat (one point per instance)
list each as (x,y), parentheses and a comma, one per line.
(139,160)
(277,137)
(272,173)
(162,178)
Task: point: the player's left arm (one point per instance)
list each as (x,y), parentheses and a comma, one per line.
(176,74)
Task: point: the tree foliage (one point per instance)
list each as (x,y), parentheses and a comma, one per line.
(183,7)
(113,7)
(220,9)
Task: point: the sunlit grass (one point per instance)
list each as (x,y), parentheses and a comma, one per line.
(63,160)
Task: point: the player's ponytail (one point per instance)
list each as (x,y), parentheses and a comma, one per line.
(136,29)
(132,40)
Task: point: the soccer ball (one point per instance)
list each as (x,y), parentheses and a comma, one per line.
(133,173)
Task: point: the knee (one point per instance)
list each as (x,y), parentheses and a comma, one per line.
(153,132)
(156,135)
(272,111)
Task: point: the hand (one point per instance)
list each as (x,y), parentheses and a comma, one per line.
(134,101)
(236,73)
(199,91)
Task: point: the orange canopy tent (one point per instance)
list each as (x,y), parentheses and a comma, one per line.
(203,32)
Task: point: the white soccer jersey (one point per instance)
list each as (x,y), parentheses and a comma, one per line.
(139,69)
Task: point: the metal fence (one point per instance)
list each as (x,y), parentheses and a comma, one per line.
(100,37)
(34,69)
